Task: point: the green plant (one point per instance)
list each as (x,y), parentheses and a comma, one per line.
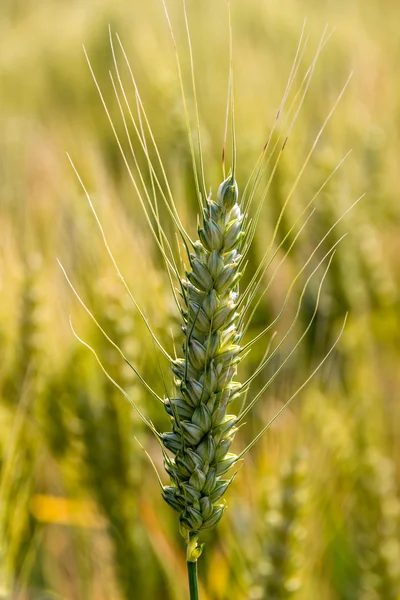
(215,312)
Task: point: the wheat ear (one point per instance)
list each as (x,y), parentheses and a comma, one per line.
(202,431)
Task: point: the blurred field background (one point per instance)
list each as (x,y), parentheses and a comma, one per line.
(314,512)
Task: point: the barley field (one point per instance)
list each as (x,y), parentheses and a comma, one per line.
(314,510)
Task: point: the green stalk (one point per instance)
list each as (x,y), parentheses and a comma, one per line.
(193,551)
(193,584)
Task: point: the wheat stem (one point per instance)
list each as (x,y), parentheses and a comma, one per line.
(193,583)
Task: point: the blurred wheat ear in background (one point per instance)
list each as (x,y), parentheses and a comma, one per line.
(211,293)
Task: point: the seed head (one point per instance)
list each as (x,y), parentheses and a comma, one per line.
(202,431)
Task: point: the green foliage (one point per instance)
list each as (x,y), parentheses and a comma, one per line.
(80,510)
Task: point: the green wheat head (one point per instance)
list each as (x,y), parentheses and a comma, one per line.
(202,431)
